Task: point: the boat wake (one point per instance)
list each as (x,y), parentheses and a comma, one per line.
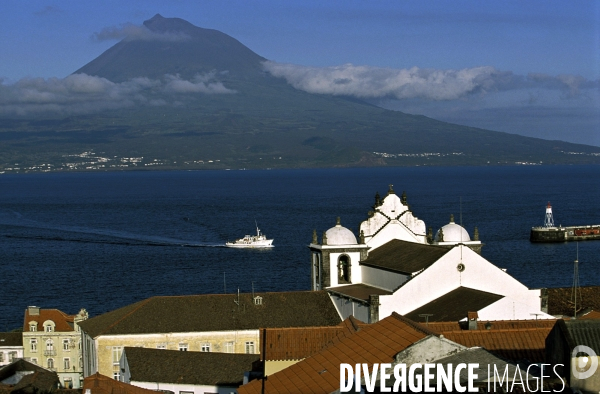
(113,237)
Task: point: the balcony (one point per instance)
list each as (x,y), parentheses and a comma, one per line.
(49,353)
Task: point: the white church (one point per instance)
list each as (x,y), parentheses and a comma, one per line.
(396,266)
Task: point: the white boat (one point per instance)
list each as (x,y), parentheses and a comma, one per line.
(251,241)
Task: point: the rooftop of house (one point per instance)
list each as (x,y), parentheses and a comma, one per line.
(581,332)
(560,301)
(526,344)
(454,306)
(442,327)
(11,339)
(217,312)
(196,368)
(62,321)
(590,315)
(19,366)
(298,343)
(404,257)
(100,384)
(375,343)
(359,291)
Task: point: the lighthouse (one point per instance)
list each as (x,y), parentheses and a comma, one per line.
(549,221)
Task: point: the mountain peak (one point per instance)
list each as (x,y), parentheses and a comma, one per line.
(158,23)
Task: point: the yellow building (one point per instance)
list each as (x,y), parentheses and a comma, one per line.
(52,339)
(226,323)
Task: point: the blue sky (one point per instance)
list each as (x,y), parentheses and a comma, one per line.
(550,50)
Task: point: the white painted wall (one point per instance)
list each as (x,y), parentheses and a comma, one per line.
(347,307)
(382,279)
(442,277)
(355,268)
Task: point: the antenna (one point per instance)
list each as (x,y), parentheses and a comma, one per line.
(460,204)
(224,284)
(252,289)
(426,316)
(576,288)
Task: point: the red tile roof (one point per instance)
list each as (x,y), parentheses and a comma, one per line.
(320,373)
(590,315)
(442,327)
(100,384)
(300,342)
(62,321)
(516,344)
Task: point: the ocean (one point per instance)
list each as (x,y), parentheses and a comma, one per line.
(101,241)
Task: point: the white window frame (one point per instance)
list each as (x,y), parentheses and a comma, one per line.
(50,363)
(66,346)
(249,347)
(117,352)
(66,363)
(33,345)
(230,347)
(34,360)
(205,347)
(184,347)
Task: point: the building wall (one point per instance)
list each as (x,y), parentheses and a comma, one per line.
(347,307)
(41,353)
(184,388)
(443,276)
(382,279)
(10,353)
(272,367)
(108,348)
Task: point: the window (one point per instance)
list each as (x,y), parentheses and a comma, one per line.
(116,375)
(229,347)
(68,383)
(67,363)
(66,345)
(50,363)
(116,354)
(32,326)
(249,347)
(34,360)
(258,300)
(161,346)
(48,328)
(49,345)
(344,269)
(12,356)
(183,347)
(1,357)
(80,362)
(33,344)
(205,347)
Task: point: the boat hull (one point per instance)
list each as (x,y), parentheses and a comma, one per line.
(565,234)
(253,245)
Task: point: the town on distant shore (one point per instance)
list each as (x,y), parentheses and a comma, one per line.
(397,295)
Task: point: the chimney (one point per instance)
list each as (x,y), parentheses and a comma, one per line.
(472,317)
(373,308)
(33,310)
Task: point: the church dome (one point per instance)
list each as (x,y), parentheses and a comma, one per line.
(452,232)
(340,235)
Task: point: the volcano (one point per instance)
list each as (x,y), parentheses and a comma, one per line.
(259,121)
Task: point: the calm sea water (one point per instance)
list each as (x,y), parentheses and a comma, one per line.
(104,240)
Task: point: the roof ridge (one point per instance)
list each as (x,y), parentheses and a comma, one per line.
(414,324)
(142,303)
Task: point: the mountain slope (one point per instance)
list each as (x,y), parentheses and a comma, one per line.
(260,122)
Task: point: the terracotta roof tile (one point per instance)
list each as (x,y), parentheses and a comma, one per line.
(494,325)
(62,321)
(590,315)
(512,344)
(320,372)
(559,300)
(100,384)
(297,343)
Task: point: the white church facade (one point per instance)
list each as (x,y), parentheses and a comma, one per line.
(395,265)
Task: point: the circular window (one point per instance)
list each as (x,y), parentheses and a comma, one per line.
(460,267)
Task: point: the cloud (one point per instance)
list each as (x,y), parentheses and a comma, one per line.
(131,32)
(200,84)
(84,94)
(373,82)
